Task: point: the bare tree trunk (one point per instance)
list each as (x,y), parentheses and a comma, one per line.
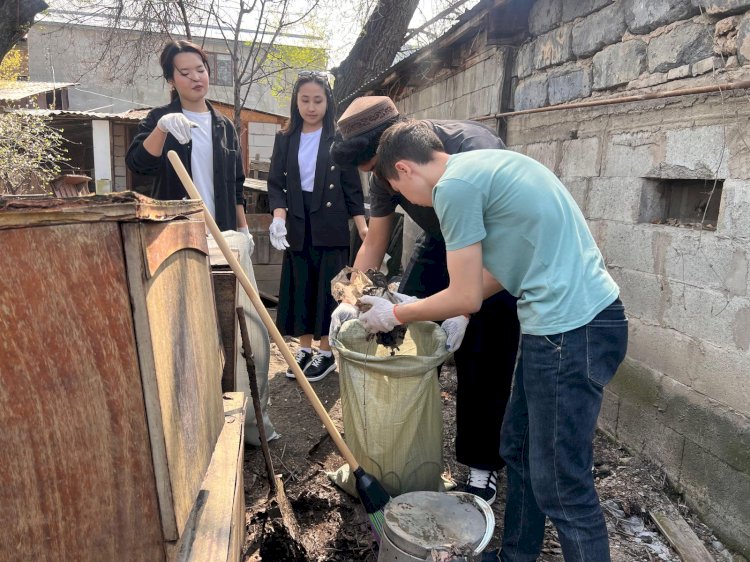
(375,48)
(185,19)
(16,17)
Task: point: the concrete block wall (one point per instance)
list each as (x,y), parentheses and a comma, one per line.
(473,90)
(582,49)
(119,150)
(260,140)
(683,394)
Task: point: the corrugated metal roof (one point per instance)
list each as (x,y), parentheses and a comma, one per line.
(17,90)
(134,116)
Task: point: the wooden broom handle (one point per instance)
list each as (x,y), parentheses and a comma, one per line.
(263,313)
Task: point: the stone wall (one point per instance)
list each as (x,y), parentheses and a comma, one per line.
(581,50)
(470,90)
(683,395)
(473,89)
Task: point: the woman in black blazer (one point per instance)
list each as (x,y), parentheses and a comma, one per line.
(311,199)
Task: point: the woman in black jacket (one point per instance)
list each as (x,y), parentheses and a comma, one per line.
(205,140)
(311,199)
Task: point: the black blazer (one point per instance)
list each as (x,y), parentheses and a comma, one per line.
(337,193)
(229,175)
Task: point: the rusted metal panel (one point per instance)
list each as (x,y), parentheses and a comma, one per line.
(124,206)
(77,474)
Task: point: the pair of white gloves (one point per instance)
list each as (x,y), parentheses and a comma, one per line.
(380,318)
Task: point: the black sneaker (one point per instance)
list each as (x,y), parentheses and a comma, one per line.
(482,483)
(320,367)
(303,359)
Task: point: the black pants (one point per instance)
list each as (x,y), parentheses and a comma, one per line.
(305,299)
(484,362)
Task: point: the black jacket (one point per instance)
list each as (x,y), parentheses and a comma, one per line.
(229,176)
(337,193)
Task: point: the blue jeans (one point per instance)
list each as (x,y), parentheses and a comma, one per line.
(547,438)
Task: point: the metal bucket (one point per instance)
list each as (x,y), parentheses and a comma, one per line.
(427,526)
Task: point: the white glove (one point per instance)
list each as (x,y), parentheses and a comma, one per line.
(404,299)
(454,328)
(341,314)
(246,231)
(380,317)
(277,230)
(178,125)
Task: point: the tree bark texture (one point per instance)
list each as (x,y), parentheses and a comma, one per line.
(16,17)
(375,48)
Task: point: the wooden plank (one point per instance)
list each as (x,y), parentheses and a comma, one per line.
(681,537)
(162,240)
(264,253)
(127,205)
(225,297)
(267,273)
(216,530)
(181,372)
(137,276)
(77,475)
(186,345)
(269,288)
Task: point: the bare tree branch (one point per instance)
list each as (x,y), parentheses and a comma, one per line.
(375,48)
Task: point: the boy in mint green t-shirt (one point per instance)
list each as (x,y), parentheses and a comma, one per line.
(509,223)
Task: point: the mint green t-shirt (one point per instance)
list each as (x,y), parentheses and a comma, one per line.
(535,240)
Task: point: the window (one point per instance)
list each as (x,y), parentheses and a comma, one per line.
(685,203)
(221,69)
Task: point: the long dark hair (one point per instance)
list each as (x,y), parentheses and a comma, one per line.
(170,51)
(295,121)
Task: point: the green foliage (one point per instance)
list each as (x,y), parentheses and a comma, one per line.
(11,65)
(31,152)
(283,58)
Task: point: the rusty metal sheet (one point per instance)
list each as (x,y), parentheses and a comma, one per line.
(123,206)
(77,474)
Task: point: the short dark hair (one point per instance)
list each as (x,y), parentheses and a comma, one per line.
(171,50)
(408,140)
(361,148)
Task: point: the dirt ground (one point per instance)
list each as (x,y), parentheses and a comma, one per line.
(334,524)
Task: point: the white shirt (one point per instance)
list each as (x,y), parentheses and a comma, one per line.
(202,157)
(307,156)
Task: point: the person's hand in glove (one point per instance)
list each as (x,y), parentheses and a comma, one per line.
(454,328)
(341,314)
(380,317)
(277,230)
(178,125)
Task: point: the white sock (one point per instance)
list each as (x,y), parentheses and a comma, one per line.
(325,353)
(306,349)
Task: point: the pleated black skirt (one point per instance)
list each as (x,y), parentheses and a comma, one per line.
(305,301)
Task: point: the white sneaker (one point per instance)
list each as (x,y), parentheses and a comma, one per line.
(482,483)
